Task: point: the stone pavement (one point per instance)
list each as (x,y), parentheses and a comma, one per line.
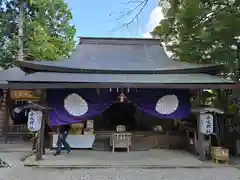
(16,147)
(153,158)
(19,172)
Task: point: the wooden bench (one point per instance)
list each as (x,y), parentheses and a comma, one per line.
(120,140)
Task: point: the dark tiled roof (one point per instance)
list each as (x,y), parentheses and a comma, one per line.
(11,74)
(117,60)
(123,78)
(115,54)
(3,84)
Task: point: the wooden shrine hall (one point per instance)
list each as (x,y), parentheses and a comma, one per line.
(108,63)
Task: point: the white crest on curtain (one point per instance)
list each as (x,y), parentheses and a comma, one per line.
(167,104)
(75,105)
(34,120)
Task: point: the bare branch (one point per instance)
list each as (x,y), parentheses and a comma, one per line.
(136,10)
(131,2)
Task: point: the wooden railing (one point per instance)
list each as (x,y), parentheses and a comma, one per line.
(18,130)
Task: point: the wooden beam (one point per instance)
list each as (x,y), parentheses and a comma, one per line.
(58,85)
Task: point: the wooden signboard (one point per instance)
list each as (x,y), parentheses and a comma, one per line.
(31,95)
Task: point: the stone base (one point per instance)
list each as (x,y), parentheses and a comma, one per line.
(154,158)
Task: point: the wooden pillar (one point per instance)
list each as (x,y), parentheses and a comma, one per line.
(2,108)
(200,146)
(40,140)
(5,103)
(219,121)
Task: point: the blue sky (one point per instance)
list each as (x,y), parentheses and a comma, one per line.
(97,18)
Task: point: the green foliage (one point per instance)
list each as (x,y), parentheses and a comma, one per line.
(201,31)
(48,34)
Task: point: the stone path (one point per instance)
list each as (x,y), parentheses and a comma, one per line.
(19,172)
(152,158)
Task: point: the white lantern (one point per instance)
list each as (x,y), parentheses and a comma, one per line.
(34,120)
(206,123)
(167,104)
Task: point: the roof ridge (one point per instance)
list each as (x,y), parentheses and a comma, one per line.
(119,41)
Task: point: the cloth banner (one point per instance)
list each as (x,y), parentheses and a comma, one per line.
(162,103)
(73,106)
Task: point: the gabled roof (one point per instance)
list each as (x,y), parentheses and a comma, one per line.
(117,55)
(116,62)
(10,74)
(86,80)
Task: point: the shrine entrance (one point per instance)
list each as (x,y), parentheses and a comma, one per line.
(120,114)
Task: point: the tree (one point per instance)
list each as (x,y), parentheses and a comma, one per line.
(47,34)
(201,31)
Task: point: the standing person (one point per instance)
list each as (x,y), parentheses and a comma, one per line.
(62,135)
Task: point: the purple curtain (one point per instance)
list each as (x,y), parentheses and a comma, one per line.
(146,100)
(98,101)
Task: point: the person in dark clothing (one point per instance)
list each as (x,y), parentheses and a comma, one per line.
(62,135)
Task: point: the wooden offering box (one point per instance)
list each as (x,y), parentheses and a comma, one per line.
(220,154)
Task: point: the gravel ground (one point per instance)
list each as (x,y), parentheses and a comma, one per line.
(120,174)
(18,172)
